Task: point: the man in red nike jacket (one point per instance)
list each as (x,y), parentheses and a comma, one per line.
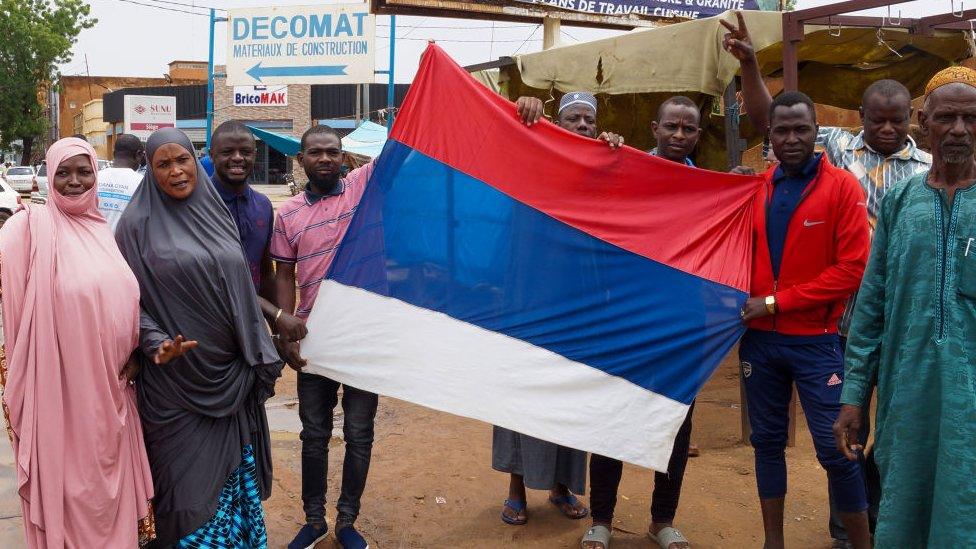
(811,247)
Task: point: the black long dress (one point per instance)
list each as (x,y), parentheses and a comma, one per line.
(199,411)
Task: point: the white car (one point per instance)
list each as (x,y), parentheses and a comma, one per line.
(21,178)
(9,202)
(40,183)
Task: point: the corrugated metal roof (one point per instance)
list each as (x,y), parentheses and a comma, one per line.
(339,100)
(328,100)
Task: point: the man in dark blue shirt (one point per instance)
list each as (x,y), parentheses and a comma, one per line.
(788,188)
(233,152)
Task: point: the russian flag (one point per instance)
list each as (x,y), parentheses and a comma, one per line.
(533,278)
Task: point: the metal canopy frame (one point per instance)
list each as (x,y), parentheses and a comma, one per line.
(833,16)
(504,10)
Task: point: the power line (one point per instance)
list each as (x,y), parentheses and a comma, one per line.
(164,8)
(527,39)
(409,32)
(384,25)
(491,50)
(419,26)
(460,40)
(185,5)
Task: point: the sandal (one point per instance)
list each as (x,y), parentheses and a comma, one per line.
(667,536)
(570,500)
(597,534)
(518,507)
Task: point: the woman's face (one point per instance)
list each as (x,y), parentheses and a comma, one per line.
(175,170)
(74,176)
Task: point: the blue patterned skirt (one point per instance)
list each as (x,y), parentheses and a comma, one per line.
(239,520)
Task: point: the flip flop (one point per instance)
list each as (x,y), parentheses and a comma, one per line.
(568,499)
(667,536)
(597,534)
(518,507)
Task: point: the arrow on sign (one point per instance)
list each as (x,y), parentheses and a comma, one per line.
(258,72)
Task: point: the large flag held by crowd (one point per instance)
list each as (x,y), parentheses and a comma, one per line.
(532,278)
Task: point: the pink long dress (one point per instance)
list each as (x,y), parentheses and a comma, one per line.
(70,321)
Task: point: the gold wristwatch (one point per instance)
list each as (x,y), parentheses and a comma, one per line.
(771,304)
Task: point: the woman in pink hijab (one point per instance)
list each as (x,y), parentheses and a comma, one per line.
(70,324)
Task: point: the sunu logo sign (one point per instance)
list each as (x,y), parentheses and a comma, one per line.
(260,96)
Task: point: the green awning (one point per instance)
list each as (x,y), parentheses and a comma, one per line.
(285,144)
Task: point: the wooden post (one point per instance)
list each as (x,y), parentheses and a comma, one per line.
(734,146)
(551,27)
(793,31)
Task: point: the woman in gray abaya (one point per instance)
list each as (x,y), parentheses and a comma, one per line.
(201,400)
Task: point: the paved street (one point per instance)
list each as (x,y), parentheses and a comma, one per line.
(11,534)
(282,416)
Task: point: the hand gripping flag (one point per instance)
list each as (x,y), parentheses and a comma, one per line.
(533,278)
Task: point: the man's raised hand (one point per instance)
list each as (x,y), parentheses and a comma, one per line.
(529,109)
(737,41)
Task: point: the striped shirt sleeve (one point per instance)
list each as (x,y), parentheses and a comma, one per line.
(282,250)
(833,141)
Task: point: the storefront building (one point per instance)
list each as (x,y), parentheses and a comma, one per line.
(289,110)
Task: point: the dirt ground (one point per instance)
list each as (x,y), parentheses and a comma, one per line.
(431,482)
(431,485)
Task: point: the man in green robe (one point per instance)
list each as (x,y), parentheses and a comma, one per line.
(914,336)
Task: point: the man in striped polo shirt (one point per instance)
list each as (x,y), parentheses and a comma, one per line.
(308,230)
(879,156)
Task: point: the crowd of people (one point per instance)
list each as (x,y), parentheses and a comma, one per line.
(148,315)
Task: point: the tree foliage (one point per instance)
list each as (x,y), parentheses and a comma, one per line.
(35,37)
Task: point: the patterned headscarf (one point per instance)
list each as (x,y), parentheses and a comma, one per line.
(951,75)
(577,98)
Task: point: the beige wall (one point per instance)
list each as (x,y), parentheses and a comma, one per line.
(94,128)
(188,70)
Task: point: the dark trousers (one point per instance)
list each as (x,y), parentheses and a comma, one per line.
(317,399)
(872,478)
(771,365)
(605,476)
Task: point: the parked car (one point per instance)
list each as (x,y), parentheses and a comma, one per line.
(39,196)
(21,178)
(9,202)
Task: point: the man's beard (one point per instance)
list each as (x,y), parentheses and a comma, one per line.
(958,158)
(324,184)
(953,155)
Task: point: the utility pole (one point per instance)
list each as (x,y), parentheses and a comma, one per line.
(88,72)
(210,74)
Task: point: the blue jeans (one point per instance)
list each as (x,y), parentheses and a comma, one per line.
(317,399)
(770,366)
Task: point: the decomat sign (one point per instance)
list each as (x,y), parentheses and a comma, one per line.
(324,44)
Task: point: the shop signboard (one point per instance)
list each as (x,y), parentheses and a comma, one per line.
(321,44)
(684,9)
(261,96)
(144,114)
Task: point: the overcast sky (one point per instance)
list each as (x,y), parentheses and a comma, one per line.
(140,40)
